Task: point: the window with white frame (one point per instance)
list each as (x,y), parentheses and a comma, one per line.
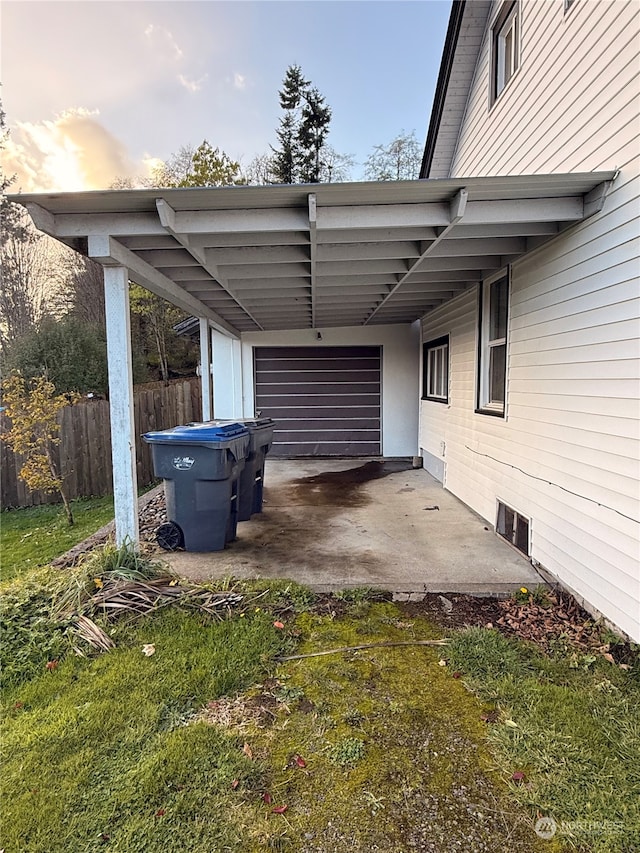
(505,47)
(492,340)
(435,370)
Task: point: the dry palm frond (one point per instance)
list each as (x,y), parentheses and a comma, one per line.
(91,633)
(140,597)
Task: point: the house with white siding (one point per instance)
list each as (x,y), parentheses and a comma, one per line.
(532,419)
(484,317)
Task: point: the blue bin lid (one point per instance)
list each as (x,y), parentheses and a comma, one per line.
(253,423)
(209,431)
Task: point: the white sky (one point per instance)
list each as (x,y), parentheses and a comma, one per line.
(92,90)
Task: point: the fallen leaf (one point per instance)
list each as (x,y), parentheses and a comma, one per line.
(518,777)
(624,666)
(279,809)
(235,784)
(98,582)
(278,625)
(457,675)
(511,724)
(609,657)
(161,812)
(18,705)
(51,665)
(299,760)
(266,798)
(247,750)
(149,649)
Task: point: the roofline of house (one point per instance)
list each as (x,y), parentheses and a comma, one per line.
(446,64)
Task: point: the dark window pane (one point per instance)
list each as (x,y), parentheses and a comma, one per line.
(498,309)
(497,373)
(445,372)
(522,535)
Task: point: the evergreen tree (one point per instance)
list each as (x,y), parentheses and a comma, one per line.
(211,167)
(312,135)
(303,131)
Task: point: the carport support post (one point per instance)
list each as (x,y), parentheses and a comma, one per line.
(123,432)
(205,370)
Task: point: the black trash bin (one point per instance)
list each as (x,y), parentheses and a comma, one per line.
(252,475)
(201,466)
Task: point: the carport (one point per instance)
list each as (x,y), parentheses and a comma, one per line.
(306,266)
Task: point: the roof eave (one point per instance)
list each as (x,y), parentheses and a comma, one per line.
(446,64)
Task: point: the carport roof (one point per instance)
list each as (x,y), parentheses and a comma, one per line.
(321,255)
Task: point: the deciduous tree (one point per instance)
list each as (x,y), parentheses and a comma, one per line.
(33,411)
(30,285)
(398,160)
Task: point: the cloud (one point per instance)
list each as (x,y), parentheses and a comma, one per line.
(162,39)
(73,152)
(192,85)
(239,81)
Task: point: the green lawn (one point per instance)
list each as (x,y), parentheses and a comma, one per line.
(409,747)
(34,536)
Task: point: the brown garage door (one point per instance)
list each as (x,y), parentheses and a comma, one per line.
(325,400)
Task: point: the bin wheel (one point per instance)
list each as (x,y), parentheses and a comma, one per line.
(169,536)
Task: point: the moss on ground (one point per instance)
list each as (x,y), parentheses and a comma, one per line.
(422,778)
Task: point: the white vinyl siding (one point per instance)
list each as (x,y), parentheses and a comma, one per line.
(577,452)
(567,455)
(573,104)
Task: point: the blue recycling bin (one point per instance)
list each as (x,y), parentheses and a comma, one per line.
(252,475)
(201,466)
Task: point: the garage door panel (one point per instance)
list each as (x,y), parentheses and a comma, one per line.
(334,376)
(329,423)
(326,435)
(320,412)
(325,401)
(301,364)
(328,448)
(331,389)
(284,400)
(318,352)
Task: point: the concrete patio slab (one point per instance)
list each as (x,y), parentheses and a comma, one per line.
(339,523)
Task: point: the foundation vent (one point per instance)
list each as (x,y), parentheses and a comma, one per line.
(513,527)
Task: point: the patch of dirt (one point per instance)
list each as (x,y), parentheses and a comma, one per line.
(555,621)
(240,713)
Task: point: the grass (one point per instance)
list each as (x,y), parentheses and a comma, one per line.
(571,724)
(33,536)
(97,750)
(193,747)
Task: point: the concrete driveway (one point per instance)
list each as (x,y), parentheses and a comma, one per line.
(337,523)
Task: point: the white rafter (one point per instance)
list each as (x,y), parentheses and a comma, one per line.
(456,212)
(168,220)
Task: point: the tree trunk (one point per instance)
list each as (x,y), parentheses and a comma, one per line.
(61,489)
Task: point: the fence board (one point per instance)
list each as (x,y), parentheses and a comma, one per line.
(84,452)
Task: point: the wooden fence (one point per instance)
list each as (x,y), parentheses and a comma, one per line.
(84,451)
